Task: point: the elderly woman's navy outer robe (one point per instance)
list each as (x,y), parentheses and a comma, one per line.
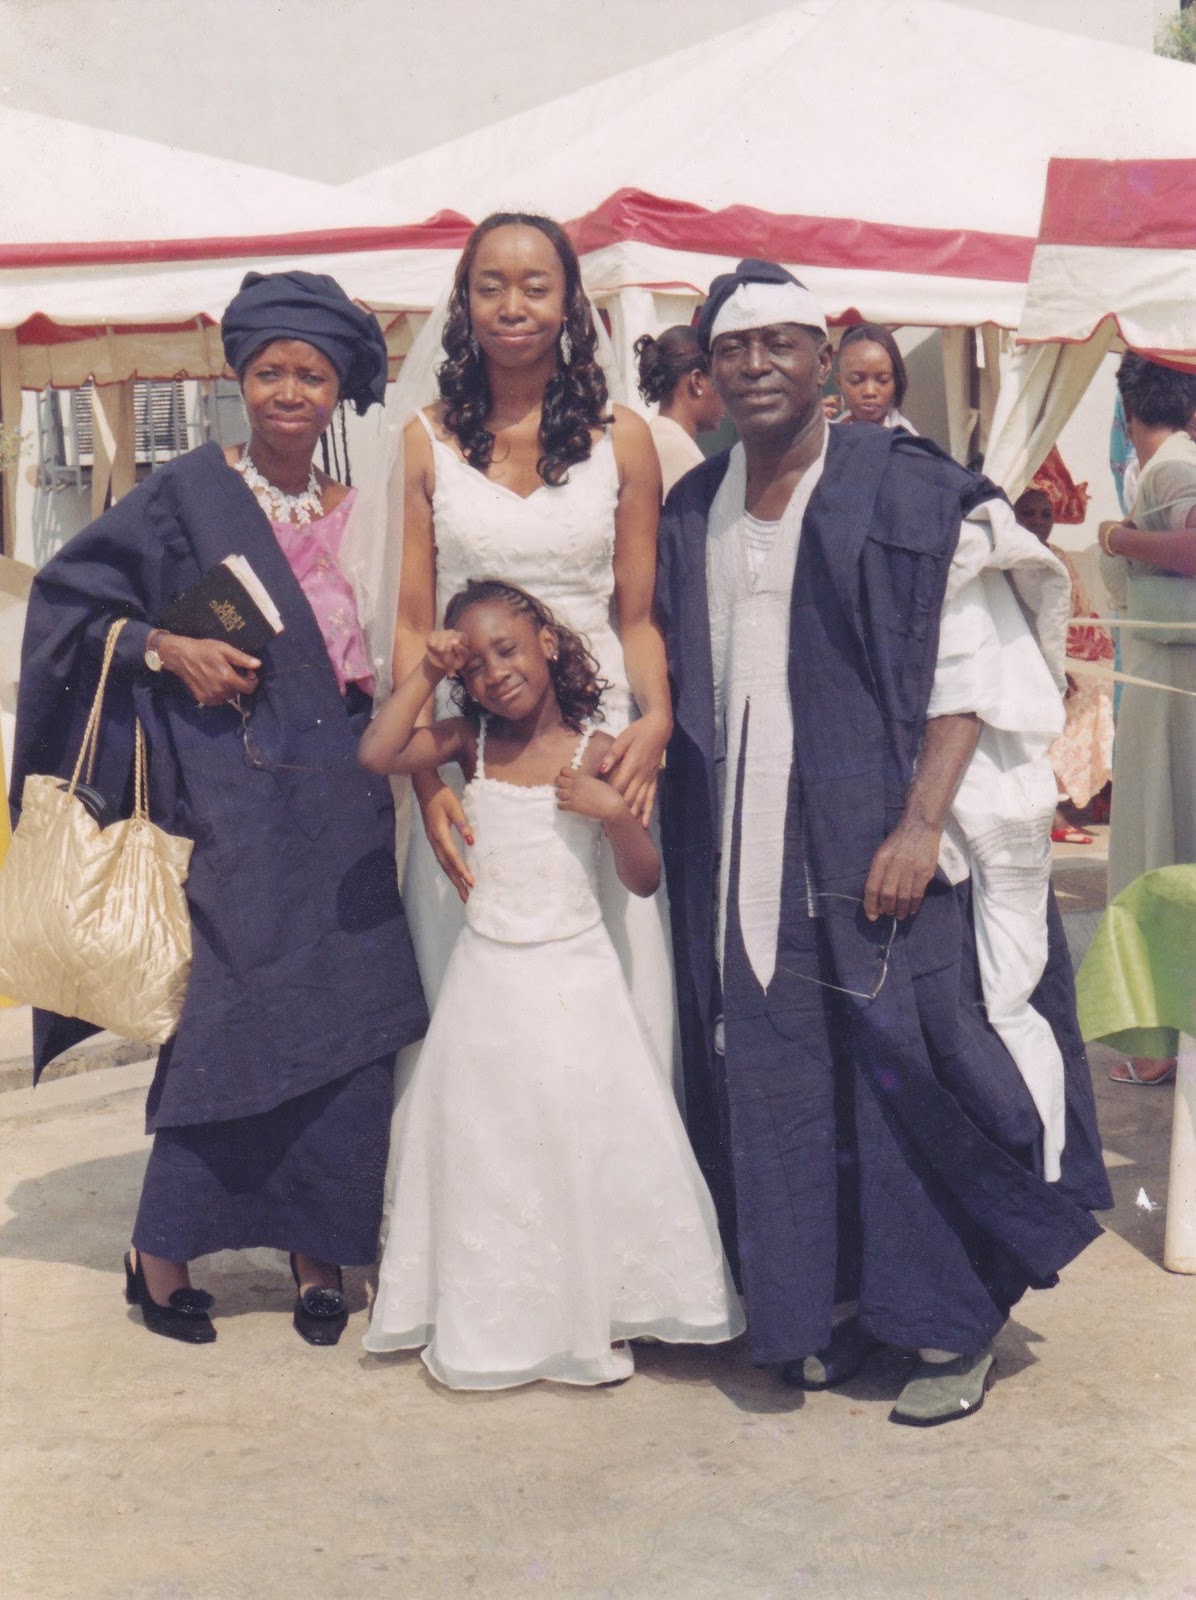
(302,966)
(880,1148)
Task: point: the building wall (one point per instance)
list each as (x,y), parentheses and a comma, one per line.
(1126,22)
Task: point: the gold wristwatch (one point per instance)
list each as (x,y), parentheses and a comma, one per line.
(152,659)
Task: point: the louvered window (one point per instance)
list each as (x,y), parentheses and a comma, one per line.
(66,431)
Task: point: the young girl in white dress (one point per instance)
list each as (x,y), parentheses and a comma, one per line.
(546,1204)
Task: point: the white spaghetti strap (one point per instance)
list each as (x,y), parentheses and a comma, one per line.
(581,746)
(428,428)
(480,767)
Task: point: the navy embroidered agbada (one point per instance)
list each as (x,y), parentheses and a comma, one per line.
(872,1146)
(303,968)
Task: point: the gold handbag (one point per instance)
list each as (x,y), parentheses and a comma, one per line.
(93,921)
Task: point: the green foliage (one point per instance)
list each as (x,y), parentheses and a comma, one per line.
(11,445)
(1176,37)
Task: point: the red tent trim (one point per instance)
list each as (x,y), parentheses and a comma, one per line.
(1180,360)
(1144,205)
(447,230)
(628,215)
(842,242)
(41,330)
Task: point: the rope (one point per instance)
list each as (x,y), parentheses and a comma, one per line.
(1096,669)
(1127,622)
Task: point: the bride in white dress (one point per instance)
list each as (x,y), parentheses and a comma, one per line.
(524,471)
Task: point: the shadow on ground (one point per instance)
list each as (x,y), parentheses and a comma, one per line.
(80,1216)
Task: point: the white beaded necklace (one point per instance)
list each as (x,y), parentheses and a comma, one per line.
(279,507)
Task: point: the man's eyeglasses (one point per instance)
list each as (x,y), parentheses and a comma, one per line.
(878,936)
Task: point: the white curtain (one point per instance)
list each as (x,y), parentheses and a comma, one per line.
(1040,388)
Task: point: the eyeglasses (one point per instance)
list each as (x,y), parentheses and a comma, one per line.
(878,939)
(256,756)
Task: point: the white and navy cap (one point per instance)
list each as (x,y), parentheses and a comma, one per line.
(757,294)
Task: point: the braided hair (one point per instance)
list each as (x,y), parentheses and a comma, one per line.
(575,398)
(574,673)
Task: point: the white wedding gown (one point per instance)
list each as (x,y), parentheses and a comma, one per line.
(545,1200)
(558,543)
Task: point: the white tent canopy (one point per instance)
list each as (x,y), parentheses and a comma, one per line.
(1115,264)
(893,155)
(117,255)
(932,123)
(67,181)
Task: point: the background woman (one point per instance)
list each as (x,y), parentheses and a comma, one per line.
(270,1106)
(674,375)
(522,470)
(1149,567)
(1082,755)
(871,377)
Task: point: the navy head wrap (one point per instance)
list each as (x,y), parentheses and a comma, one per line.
(312,307)
(797,305)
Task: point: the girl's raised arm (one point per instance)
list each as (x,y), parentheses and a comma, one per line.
(393,742)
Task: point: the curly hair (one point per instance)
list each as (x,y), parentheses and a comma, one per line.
(1158,396)
(574,672)
(664,361)
(873,333)
(575,398)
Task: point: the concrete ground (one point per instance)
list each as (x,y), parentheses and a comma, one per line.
(260,1468)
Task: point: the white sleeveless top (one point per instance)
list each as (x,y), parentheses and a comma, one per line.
(535,867)
(557,543)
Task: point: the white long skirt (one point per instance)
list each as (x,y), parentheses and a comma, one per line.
(545,1200)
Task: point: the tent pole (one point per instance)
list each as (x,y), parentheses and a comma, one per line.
(10,418)
(1179,1244)
(958,364)
(113,470)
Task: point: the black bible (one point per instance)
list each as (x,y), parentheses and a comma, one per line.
(229,602)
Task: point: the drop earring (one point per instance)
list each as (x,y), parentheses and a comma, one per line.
(566,347)
(474,348)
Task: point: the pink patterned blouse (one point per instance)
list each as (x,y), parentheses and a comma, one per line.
(311,550)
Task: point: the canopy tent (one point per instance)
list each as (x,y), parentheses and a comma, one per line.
(755,142)
(893,155)
(119,254)
(1115,266)
(66,180)
(752,143)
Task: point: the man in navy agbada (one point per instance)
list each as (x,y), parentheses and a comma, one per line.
(885,1082)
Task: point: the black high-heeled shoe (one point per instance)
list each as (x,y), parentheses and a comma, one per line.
(185,1317)
(321,1315)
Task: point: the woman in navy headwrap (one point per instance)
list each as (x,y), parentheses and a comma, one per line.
(270,1106)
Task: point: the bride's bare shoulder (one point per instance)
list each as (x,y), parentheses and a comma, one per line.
(420,421)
